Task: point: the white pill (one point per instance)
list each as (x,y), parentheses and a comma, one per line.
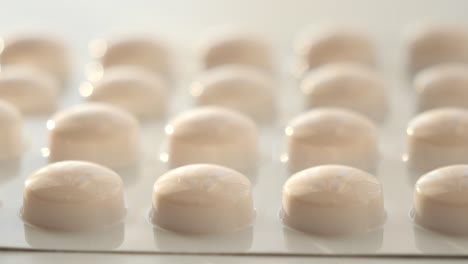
(441,200)
(437,138)
(31,90)
(94,132)
(333,200)
(331,136)
(238,47)
(346,86)
(430,45)
(445,85)
(11,132)
(140,92)
(202,198)
(47,53)
(212,135)
(141,51)
(244,89)
(73,195)
(330,45)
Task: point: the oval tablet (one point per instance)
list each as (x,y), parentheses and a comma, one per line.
(333,200)
(331,136)
(11,132)
(441,200)
(347,86)
(212,135)
(437,138)
(73,195)
(333,45)
(445,85)
(202,198)
(134,89)
(46,53)
(239,88)
(94,132)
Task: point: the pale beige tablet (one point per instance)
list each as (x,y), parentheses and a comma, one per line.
(30,89)
(212,135)
(47,53)
(244,89)
(137,90)
(11,132)
(331,136)
(316,47)
(437,138)
(441,200)
(73,195)
(94,132)
(444,85)
(202,199)
(429,45)
(349,86)
(333,200)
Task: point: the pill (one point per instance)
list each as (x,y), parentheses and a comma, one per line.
(331,136)
(429,45)
(236,46)
(244,89)
(29,89)
(437,138)
(444,85)
(11,132)
(202,199)
(212,135)
(333,200)
(141,51)
(73,195)
(328,45)
(140,92)
(94,132)
(47,53)
(348,86)
(441,200)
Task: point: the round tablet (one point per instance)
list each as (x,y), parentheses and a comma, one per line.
(212,135)
(445,85)
(11,132)
(142,51)
(202,198)
(238,47)
(244,89)
(333,199)
(331,136)
(44,52)
(348,86)
(134,89)
(73,195)
(435,44)
(94,132)
(30,89)
(330,45)
(437,138)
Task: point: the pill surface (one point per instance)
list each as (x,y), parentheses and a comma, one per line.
(11,132)
(46,53)
(331,136)
(445,85)
(212,135)
(94,132)
(203,199)
(133,89)
(441,200)
(348,86)
(437,138)
(333,199)
(330,45)
(73,195)
(246,90)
